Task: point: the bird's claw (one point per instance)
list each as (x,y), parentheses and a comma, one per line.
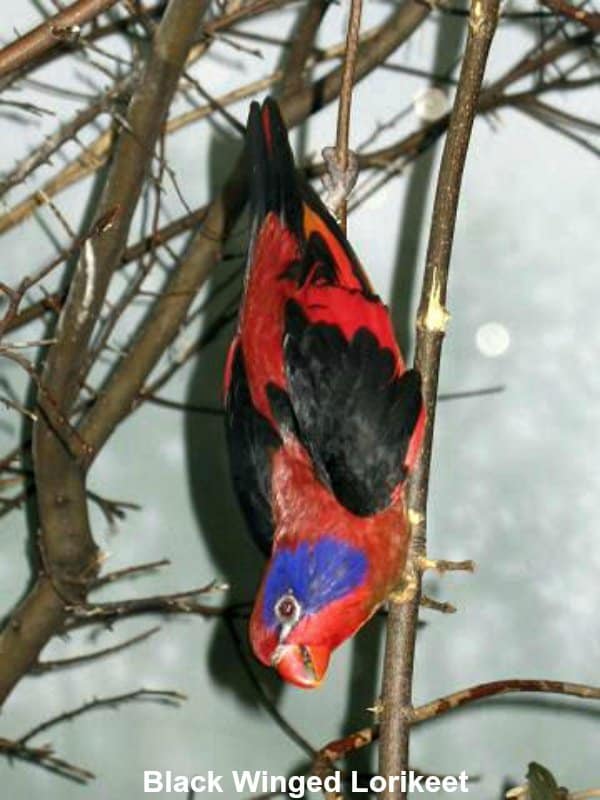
(406,590)
(338,182)
(408,587)
(437,605)
(441,565)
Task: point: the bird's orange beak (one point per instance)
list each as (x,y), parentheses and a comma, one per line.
(302,665)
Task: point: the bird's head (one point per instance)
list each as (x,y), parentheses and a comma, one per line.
(313,596)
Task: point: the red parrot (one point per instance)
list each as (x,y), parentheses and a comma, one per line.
(323,420)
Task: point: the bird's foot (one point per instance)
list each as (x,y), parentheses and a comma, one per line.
(437,605)
(441,565)
(407,588)
(407,591)
(338,182)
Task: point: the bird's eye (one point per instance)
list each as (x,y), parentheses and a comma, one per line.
(287,609)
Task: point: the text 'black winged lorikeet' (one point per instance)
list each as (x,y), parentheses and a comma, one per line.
(323,420)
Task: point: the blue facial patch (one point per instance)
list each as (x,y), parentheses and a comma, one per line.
(316,574)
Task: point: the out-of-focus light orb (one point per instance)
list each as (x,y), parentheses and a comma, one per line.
(430,104)
(492,339)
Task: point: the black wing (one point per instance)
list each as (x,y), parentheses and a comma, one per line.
(354,415)
(251,441)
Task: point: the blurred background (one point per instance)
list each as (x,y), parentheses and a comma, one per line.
(515,479)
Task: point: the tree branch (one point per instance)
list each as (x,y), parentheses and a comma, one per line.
(66,544)
(44,757)
(409,147)
(51,33)
(494,688)
(431,323)
(42,667)
(176,603)
(94,155)
(158,695)
(342,141)
(340,748)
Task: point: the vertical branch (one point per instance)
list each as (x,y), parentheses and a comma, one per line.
(67,548)
(343,120)
(431,323)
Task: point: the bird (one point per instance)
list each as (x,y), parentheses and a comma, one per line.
(323,420)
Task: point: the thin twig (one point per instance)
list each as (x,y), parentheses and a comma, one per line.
(343,121)
(42,667)
(127,572)
(44,757)
(42,152)
(340,748)
(95,154)
(158,695)
(176,603)
(494,688)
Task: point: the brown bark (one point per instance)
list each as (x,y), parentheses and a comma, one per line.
(431,323)
(51,33)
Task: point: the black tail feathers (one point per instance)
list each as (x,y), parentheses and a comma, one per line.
(274,184)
